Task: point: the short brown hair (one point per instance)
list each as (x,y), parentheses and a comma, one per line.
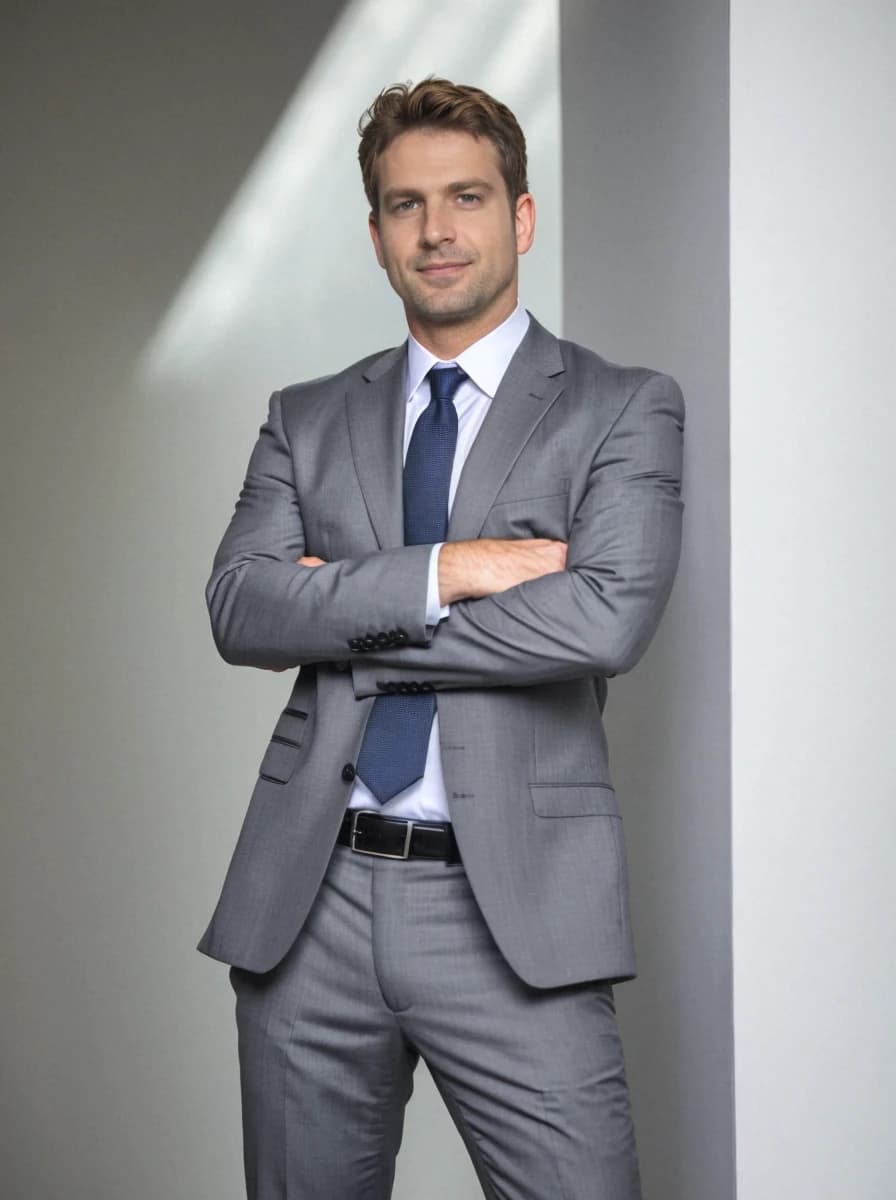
(439,104)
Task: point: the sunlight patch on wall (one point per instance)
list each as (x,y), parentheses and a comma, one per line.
(289,265)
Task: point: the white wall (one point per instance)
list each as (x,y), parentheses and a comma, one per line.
(646,282)
(168,261)
(813,431)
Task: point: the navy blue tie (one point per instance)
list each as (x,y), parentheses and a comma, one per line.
(393,753)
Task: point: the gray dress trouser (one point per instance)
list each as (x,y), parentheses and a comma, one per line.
(395,961)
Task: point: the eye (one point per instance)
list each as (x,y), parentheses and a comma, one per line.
(404,206)
(468,198)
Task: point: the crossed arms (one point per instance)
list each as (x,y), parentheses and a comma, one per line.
(522,612)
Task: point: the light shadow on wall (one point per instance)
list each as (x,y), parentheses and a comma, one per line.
(290,261)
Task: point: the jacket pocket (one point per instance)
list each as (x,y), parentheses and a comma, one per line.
(524,517)
(574,799)
(282,753)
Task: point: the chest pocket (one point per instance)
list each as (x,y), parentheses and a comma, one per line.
(542,512)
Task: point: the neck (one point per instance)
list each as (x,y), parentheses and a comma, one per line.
(446,341)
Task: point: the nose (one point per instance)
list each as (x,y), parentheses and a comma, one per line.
(437,227)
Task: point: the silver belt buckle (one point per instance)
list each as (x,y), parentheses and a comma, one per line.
(356,812)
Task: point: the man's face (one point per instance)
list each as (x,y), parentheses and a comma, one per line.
(446,232)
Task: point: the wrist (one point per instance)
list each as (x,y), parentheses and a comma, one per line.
(454,573)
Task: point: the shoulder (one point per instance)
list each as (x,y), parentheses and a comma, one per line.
(590,374)
(587,366)
(325,387)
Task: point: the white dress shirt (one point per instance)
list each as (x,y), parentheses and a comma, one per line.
(484,363)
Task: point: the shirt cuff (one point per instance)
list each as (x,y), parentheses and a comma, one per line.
(435,612)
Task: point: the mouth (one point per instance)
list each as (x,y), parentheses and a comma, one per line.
(442,270)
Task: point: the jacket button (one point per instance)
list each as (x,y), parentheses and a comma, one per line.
(402,636)
(354,644)
(348,772)
(426,687)
(414,688)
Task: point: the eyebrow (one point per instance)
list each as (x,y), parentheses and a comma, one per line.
(467,185)
(463,185)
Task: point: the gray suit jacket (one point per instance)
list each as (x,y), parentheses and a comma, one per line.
(573,447)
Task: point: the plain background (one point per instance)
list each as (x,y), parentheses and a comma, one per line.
(645,223)
(183,231)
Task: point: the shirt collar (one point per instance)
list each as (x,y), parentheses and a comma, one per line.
(485,362)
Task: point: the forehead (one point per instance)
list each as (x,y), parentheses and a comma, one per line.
(432,157)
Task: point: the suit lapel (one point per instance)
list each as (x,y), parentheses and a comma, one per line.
(375,410)
(531,384)
(376,414)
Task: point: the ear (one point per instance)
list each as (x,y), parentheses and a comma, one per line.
(524,221)
(375,238)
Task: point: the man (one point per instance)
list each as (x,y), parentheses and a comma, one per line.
(432,862)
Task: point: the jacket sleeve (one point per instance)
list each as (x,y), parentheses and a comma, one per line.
(266,611)
(596,617)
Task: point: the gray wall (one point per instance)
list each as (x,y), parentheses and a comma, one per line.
(645,147)
(754,743)
(126,131)
(184,230)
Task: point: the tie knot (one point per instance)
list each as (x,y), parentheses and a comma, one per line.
(444,382)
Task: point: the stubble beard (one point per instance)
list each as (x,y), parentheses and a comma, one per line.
(457,305)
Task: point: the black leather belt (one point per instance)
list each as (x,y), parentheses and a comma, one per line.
(368,832)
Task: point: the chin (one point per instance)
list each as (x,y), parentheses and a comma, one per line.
(448,309)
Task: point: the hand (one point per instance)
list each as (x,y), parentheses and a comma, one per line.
(471,570)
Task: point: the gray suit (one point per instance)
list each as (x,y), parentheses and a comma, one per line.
(573,447)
